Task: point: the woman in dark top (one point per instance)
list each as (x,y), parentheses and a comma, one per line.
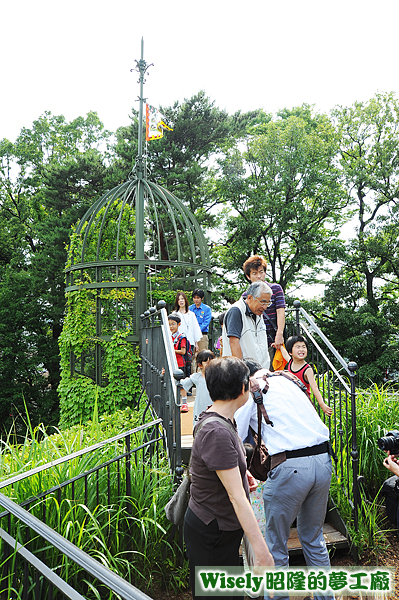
(219,510)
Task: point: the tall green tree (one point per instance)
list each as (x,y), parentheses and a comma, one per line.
(287,199)
(181,161)
(366,313)
(48,178)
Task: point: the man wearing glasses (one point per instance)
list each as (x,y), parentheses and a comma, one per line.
(255,270)
(244,330)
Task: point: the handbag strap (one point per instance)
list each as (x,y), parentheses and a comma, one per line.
(261,412)
(287,375)
(270,321)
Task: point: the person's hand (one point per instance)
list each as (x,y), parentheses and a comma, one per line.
(264,558)
(276,346)
(327,410)
(251,482)
(253,384)
(279,341)
(392,464)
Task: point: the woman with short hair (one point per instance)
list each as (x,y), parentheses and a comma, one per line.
(219,511)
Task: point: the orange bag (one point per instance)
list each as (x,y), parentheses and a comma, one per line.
(279,361)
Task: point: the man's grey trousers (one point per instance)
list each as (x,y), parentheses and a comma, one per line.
(298,488)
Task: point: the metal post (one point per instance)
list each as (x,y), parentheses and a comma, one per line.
(352,366)
(140,173)
(98,369)
(178,375)
(128,475)
(297,306)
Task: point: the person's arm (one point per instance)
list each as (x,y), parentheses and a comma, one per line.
(232,328)
(279,339)
(309,375)
(187,383)
(235,346)
(391,463)
(231,480)
(285,354)
(196,329)
(182,349)
(206,320)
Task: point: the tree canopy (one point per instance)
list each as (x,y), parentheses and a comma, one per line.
(280,185)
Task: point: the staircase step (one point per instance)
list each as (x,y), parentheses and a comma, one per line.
(332,536)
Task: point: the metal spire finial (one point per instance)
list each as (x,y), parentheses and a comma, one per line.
(142,68)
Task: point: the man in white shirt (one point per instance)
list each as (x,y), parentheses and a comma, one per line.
(297,487)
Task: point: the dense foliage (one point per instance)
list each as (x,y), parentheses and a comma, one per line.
(377,412)
(128,534)
(282,185)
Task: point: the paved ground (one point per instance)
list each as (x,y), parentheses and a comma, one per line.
(187,418)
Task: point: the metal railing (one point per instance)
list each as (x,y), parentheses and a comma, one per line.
(336,380)
(161,380)
(28,544)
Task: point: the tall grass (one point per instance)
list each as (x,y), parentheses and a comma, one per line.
(128,534)
(377,412)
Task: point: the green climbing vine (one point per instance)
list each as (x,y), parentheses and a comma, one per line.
(120,362)
(78,343)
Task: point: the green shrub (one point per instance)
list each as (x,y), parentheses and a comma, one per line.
(377,412)
(130,534)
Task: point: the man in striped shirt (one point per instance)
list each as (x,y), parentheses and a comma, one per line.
(274,316)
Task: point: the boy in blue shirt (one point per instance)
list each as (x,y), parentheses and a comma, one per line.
(204,316)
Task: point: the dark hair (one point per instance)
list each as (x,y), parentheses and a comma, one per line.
(176,308)
(253,263)
(221,318)
(225,378)
(174,317)
(252,365)
(198,292)
(293,340)
(204,356)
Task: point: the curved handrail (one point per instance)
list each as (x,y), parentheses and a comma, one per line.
(76,454)
(113,581)
(328,361)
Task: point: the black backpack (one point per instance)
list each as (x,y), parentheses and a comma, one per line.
(188,356)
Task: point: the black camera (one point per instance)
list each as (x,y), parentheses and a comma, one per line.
(390,442)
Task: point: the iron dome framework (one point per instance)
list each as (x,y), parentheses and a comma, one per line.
(134,235)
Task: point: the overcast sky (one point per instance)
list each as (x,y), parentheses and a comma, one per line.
(76,56)
(72,57)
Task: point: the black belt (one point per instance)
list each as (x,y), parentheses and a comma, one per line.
(310,451)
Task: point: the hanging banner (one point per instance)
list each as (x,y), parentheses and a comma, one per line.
(154,124)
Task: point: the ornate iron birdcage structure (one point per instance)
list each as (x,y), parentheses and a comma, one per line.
(130,239)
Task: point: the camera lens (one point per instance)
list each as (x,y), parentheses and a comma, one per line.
(386,443)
